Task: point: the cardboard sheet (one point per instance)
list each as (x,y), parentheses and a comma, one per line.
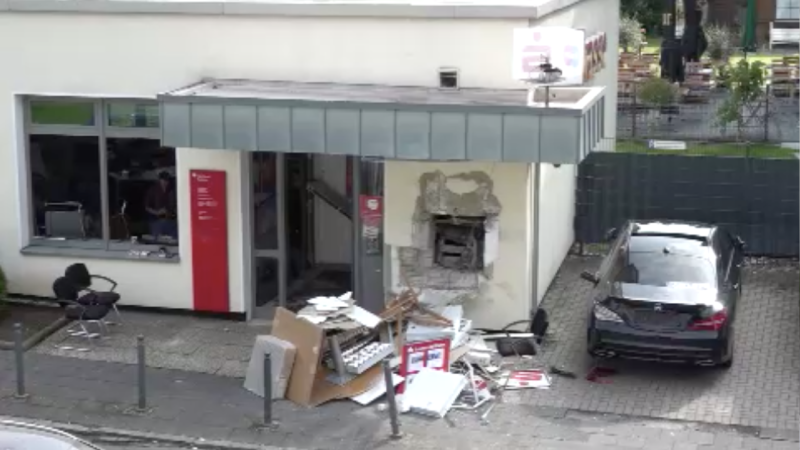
(307,384)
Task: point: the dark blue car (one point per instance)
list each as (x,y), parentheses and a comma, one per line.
(667,291)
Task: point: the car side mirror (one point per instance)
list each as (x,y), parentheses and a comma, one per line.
(611,234)
(739,242)
(590,277)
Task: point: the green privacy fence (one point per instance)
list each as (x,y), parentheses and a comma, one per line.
(755,197)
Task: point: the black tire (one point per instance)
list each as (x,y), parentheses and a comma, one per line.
(726,364)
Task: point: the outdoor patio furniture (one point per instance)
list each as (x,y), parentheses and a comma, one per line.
(84,309)
(80,276)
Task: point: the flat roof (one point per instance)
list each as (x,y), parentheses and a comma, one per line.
(574,99)
(487,9)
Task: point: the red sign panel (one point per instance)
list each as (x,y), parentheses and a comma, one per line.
(424,355)
(371,212)
(209,240)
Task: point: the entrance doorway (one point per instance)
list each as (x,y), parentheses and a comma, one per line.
(302,231)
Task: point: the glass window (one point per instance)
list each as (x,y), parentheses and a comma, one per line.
(265,204)
(787,9)
(67,182)
(661,269)
(141,192)
(133,115)
(54,112)
(65,175)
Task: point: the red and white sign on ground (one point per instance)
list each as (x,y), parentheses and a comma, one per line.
(429,354)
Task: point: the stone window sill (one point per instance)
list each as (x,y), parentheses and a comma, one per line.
(133,254)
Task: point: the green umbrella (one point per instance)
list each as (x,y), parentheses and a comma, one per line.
(749,29)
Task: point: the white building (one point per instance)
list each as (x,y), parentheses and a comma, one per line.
(99,97)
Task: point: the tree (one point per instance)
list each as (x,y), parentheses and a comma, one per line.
(647,12)
(744,103)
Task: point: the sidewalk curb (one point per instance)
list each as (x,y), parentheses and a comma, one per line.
(183,441)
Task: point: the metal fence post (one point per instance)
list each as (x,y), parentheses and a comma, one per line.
(19,354)
(766,115)
(267,390)
(635,109)
(391,400)
(142,373)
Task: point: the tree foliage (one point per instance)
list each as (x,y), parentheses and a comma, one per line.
(746,82)
(631,37)
(647,12)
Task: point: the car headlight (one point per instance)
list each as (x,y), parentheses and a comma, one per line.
(605,314)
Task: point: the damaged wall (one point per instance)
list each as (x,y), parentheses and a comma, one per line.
(417,192)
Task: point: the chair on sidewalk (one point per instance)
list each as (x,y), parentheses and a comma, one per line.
(80,276)
(84,309)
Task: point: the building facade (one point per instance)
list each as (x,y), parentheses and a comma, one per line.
(107,98)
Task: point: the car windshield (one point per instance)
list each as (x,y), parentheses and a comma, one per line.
(685,263)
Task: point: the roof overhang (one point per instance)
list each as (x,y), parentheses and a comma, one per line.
(385,121)
(472,9)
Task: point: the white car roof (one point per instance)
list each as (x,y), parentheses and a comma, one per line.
(26,436)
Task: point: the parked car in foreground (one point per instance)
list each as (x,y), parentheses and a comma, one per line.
(26,436)
(667,291)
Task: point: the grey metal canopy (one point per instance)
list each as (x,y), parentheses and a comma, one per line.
(385,121)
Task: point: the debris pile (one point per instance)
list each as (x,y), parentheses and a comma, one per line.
(439,362)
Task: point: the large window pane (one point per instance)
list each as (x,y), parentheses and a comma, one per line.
(54,112)
(130,114)
(141,192)
(265,204)
(65,174)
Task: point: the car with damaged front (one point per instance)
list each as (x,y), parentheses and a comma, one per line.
(667,291)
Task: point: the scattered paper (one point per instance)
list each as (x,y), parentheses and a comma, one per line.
(376,391)
(364,317)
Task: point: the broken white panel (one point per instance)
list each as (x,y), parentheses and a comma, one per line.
(364,317)
(491,240)
(375,391)
(454,313)
(316,320)
(433,392)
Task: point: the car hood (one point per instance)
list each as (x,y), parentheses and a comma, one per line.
(674,293)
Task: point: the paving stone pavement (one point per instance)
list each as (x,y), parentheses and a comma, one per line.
(182,342)
(761,389)
(101,394)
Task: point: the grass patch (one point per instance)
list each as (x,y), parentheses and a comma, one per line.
(753,150)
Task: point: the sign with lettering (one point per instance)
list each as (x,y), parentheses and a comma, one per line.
(595,55)
(419,355)
(561,47)
(574,58)
(209,219)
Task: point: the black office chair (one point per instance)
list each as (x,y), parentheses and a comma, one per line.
(79,275)
(83,309)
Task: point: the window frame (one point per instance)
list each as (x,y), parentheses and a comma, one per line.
(102,131)
(784,5)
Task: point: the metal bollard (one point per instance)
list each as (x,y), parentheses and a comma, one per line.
(19,354)
(142,372)
(391,400)
(268,390)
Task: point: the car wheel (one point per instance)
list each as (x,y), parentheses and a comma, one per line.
(726,364)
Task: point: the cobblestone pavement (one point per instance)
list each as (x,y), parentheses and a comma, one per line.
(100,395)
(761,389)
(206,345)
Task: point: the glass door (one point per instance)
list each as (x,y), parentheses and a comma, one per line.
(268,233)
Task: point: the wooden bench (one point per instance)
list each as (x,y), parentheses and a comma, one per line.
(783,32)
